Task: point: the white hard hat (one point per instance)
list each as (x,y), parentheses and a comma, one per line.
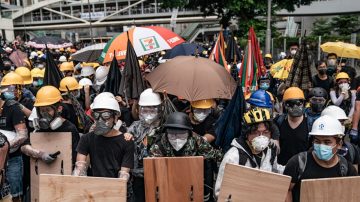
(33,55)
(334,111)
(149,98)
(62,58)
(101,74)
(105,100)
(87,71)
(327,126)
(85,81)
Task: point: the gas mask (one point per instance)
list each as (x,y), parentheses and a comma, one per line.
(295,108)
(46,121)
(149,114)
(103,124)
(177,139)
(260,143)
(201,114)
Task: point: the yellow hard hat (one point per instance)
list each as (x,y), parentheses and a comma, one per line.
(69,83)
(342,75)
(12,78)
(293,93)
(61,49)
(40,53)
(37,72)
(67,66)
(203,104)
(257,115)
(25,74)
(268,55)
(90,64)
(47,95)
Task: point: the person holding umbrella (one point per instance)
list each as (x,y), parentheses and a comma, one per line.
(202,122)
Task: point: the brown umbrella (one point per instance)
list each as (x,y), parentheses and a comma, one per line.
(192,78)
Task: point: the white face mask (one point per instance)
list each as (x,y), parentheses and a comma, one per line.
(260,143)
(332,62)
(293,52)
(201,115)
(177,144)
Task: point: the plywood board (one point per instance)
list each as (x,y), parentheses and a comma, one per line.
(50,143)
(175,179)
(241,183)
(65,188)
(330,190)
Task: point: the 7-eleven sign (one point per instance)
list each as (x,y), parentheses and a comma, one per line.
(149,43)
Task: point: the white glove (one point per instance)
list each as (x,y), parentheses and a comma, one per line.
(344,87)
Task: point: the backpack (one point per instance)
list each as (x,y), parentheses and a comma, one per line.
(4,151)
(243,157)
(302,159)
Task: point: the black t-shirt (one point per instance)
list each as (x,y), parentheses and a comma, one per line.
(292,141)
(67,126)
(11,116)
(312,171)
(68,113)
(107,154)
(325,84)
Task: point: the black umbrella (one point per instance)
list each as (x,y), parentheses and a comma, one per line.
(89,53)
(232,52)
(185,49)
(132,83)
(228,126)
(113,80)
(52,75)
(300,73)
(49,42)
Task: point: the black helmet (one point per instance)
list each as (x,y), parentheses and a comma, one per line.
(318,92)
(178,120)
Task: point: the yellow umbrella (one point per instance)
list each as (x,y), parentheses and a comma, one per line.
(281,69)
(341,49)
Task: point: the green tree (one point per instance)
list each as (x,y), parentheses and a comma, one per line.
(246,11)
(344,25)
(321,27)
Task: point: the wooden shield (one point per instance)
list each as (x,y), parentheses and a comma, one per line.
(65,188)
(241,183)
(175,179)
(330,189)
(50,143)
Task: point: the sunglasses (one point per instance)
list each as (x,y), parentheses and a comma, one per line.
(103,115)
(292,103)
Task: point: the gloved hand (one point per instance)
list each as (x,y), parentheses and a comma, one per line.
(354,136)
(46,157)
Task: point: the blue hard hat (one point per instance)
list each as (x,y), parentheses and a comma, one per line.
(260,98)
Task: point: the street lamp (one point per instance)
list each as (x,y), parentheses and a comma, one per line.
(268,29)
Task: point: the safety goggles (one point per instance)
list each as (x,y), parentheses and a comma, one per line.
(317,100)
(292,103)
(149,110)
(10,88)
(204,111)
(173,136)
(103,115)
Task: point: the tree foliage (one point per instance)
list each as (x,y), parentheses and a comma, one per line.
(321,27)
(345,24)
